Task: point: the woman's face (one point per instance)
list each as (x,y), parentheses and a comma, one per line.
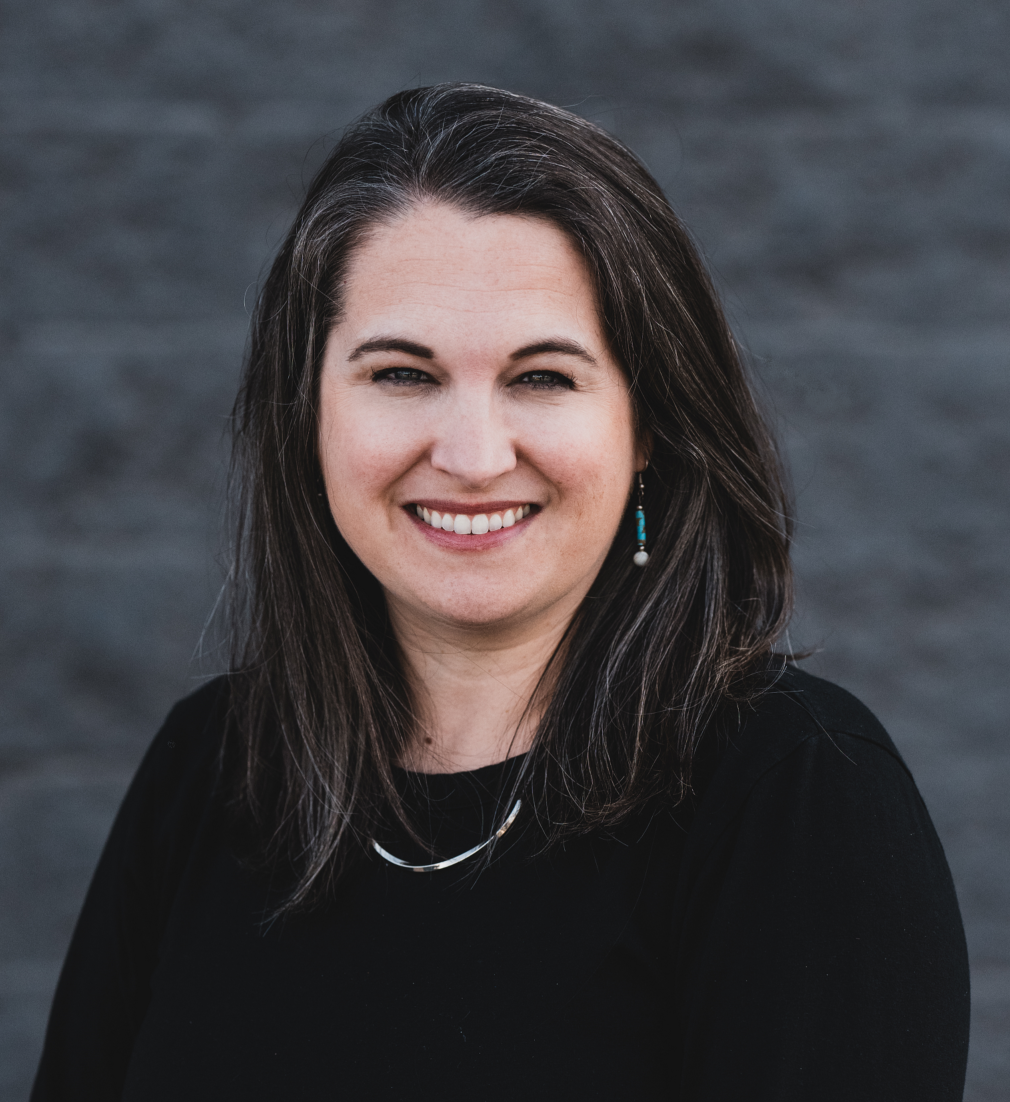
(468,379)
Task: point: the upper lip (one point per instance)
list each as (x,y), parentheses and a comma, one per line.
(467,509)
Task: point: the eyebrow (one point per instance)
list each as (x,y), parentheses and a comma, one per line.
(412,348)
(565,347)
(392,344)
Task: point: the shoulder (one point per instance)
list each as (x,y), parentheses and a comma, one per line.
(193,730)
(805,747)
(811,802)
(799,705)
(197,720)
(181,765)
(801,715)
(828,707)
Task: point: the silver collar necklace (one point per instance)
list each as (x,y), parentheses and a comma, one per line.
(387,856)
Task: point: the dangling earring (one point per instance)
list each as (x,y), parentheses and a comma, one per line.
(641,557)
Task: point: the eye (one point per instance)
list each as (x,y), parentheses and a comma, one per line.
(402,376)
(545,380)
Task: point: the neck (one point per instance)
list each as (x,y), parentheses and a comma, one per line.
(474,687)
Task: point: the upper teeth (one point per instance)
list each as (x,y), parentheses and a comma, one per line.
(477,525)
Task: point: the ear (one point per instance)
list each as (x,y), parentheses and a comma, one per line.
(643,451)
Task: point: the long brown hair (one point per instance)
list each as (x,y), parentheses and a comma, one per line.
(321,709)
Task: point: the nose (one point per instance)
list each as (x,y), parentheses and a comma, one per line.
(473,443)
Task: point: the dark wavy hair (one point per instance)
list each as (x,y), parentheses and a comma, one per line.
(321,709)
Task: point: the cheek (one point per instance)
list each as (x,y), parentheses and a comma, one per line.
(361,458)
(591,462)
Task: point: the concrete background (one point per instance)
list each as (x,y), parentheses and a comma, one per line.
(845,167)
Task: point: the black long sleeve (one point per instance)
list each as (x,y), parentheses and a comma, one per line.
(794,936)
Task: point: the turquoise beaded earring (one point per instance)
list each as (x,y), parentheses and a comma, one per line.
(641,556)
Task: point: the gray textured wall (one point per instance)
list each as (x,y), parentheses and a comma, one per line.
(844,165)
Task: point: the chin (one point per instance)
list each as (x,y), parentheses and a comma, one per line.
(479,613)
(477,604)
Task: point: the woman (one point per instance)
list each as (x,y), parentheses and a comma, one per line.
(507,795)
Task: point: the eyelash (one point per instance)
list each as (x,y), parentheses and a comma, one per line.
(537,380)
(389,375)
(547,380)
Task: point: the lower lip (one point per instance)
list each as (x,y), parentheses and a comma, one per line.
(453,541)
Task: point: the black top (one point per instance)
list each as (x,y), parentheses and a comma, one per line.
(795,937)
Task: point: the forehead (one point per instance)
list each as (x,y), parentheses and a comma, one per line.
(436,264)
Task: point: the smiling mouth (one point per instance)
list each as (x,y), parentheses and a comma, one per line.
(477,525)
